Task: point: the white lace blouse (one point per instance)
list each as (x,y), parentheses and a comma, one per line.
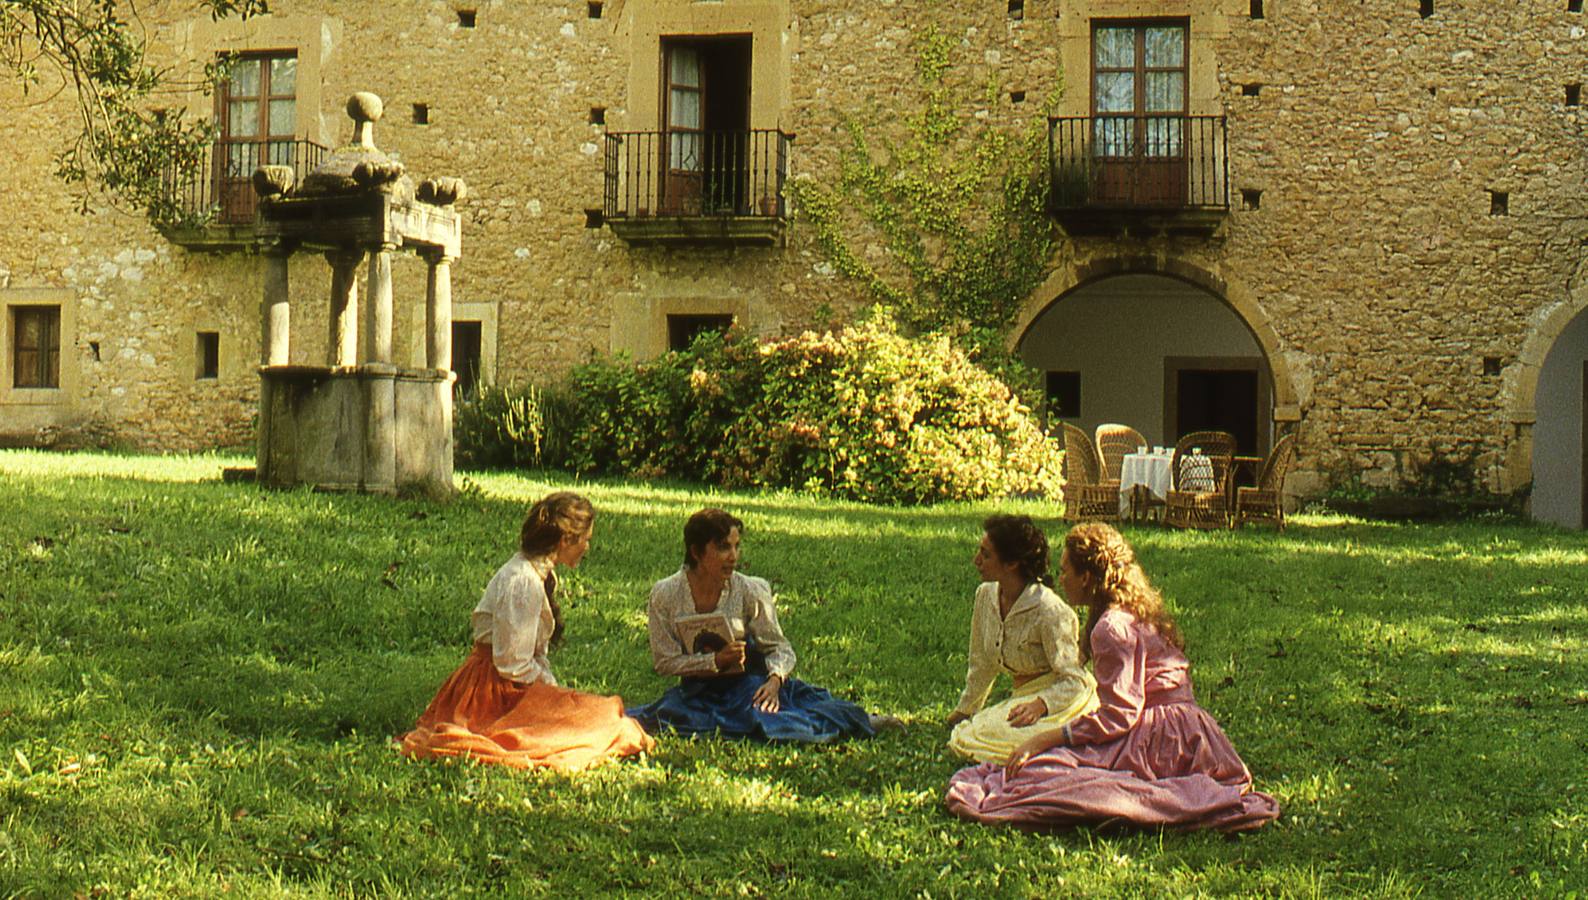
(515,619)
(746,603)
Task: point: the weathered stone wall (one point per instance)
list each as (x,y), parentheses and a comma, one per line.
(1372,273)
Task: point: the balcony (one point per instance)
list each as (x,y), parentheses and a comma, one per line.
(697,187)
(214,208)
(1139,173)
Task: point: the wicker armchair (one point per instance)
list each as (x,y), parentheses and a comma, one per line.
(1086,496)
(1201,494)
(1113,442)
(1266,501)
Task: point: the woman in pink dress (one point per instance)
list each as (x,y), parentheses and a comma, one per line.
(1149,754)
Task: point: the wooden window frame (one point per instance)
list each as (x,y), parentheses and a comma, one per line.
(44,369)
(1141,70)
(233,189)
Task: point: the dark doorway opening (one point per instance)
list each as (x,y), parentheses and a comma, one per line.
(707,124)
(1204,395)
(466,343)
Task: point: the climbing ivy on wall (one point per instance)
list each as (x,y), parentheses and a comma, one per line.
(944,224)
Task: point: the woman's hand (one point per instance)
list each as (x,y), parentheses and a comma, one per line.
(1028,713)
(766,696)
(731,657)
(1023,754)
(954,718)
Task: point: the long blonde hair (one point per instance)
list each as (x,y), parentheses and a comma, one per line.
(1098,551)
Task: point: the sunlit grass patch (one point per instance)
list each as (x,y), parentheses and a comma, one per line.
(199,683)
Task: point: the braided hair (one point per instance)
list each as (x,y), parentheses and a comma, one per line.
(1100,552)
(1017,540)
(553,517)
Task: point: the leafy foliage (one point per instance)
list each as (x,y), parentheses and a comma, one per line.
(866,413)
(129,143)
(501,426)
(946,226)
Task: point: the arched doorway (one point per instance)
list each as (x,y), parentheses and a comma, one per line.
(1560,448)
(1156,352)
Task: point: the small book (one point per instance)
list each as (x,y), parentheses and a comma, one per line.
(704,633)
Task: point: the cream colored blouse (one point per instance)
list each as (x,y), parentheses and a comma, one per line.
(746,603)
(1041,634)
(515,619)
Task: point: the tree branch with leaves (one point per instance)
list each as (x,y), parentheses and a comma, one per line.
(130,144)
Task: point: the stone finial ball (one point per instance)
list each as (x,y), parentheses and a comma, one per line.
(364,107)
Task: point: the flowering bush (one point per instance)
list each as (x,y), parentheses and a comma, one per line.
(865,413)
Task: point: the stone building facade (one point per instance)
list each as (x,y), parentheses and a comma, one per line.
(1384,253)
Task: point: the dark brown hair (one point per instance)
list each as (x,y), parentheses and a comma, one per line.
(1017,540)
(1100,553)
(553,517)
(709,526)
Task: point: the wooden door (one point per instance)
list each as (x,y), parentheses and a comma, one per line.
(1139,138)
(258,117)
(683,141)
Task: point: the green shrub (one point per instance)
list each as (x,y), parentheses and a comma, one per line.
(865,413)
(500,426)
(870,414)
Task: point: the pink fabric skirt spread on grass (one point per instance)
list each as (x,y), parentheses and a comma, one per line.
(1175,768)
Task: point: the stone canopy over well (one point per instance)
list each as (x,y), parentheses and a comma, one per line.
(359,421)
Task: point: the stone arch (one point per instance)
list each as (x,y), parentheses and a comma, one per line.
(1519,392)
(1287,397)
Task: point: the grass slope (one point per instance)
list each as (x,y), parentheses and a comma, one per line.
(198,683)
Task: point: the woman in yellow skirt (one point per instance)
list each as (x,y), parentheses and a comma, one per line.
(503,704)
(1021,626)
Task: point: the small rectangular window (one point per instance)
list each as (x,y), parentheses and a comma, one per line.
(1064,395)
(207,355)
(1493,366)
(683,329)
(36,346)
(594,218)
(1573,95)
(1499,203)
(1574,5)
(1251,198)
(465,18)
(598,115)
(593,9)
(1251,90)
(1017,9)
(1425,8)
(421,114)
(1257,9)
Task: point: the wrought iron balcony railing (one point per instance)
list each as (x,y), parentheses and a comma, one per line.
(223,193)
(663,185)
(1140,163)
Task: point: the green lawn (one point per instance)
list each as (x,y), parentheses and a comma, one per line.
(199,682)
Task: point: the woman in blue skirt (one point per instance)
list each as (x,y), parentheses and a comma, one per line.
(717,630)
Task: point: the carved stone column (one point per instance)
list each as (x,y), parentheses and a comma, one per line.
(438,311)
(342,345)
(275,339)
(378,312)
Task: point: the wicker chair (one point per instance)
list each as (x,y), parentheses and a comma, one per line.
(1266,501)
(1086,496)
(1113,443)
(1201,494)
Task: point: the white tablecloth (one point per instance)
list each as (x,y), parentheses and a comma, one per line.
(1150,469)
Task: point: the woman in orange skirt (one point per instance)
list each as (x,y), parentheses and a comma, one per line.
(503,705)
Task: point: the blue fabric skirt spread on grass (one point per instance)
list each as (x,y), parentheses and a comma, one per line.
(723,706)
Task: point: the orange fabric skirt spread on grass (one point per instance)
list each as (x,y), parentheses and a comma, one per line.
(479,714)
